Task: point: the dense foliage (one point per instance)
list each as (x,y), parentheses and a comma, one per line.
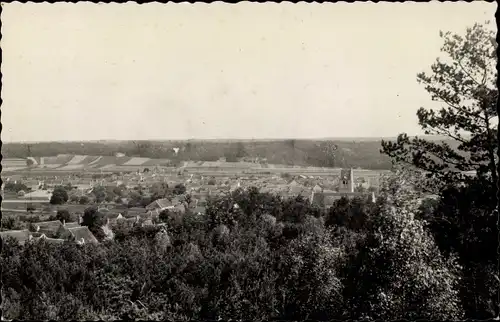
(15,187)
(63,215)
(465,83)
(252,256)
(59,196)
(463,221)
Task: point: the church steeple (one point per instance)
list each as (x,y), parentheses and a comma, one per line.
(346,180)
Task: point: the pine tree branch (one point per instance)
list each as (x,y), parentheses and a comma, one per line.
(467,73)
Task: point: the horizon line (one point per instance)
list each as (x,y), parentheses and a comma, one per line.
(348,138)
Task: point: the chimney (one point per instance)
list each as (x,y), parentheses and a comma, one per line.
(64,223)
(80,220)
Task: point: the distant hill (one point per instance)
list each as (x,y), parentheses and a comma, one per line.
(355,152)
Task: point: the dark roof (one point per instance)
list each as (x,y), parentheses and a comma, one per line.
(296,190)
(330,199)
(318,198)
(146,215)
(136,209)
(160,203)
(83,232)
(154,212)
(20,235)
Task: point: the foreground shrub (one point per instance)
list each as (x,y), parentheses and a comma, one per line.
(264,259)
(400,272)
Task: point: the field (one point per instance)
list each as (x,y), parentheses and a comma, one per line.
(354,153)
(212,168)
(80,163)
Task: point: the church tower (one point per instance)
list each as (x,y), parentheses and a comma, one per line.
(346,180)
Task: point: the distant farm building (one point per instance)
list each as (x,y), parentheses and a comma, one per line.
(160,204)
(53,232)
(62,232)
(82,235)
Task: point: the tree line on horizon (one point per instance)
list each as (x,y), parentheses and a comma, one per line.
(363,154)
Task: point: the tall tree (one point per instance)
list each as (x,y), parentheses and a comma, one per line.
(94,220)
(142,148)
(328,154)
(465,83)
(59,196)
(462,221)
(240,150)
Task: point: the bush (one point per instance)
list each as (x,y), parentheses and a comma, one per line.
(15,187)
(8,223)
(179,189)
(413,279)
(84,200)
(59,196)
(268,259)
(94,220)
(64,215)
(33,219)
(286,175)
(74,198)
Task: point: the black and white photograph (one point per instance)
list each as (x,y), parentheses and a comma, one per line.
(249,161)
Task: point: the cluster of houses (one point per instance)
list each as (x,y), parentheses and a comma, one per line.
(54,232)
(326,198)
(198,187)
(60,231)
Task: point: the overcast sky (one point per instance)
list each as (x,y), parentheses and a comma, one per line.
(125,71)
